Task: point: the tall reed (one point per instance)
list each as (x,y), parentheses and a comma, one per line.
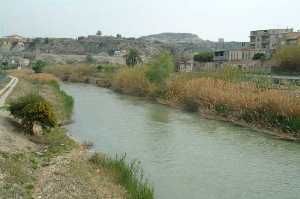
(130,176)
(273,107)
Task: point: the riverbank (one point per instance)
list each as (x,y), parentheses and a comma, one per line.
(34,170)
(224,95)
(183,152)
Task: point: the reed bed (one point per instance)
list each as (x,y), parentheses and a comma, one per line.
(244,100)
(132,81)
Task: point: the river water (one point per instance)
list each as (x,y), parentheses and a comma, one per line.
(183,155)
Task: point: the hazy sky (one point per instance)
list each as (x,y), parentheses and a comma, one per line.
(210,19)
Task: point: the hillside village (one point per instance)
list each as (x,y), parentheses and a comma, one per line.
(17,51)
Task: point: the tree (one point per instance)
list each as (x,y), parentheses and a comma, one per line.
(133,58)
(288,59)
(204,57)
(119,36)
(259,56)
(99,33)
(160,68)
(38,66)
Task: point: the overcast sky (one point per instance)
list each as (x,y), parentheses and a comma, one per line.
(210,19)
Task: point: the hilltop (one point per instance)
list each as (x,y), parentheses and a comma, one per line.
(175,38)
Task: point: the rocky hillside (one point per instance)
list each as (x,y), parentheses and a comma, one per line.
(105,46)
(174,38)
(188,42)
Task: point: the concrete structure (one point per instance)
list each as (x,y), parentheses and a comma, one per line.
(243,54)
(14,61)
(267,40)
(250,66)
(221,43)
(186,66)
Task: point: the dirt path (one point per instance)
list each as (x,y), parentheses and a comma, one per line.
(11,140)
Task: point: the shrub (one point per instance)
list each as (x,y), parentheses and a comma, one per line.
(204,57)
(38,66)
(99,68)
(160,68)
(132,81)
(259,56)
(33,109)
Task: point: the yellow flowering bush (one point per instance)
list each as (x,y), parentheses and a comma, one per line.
(32,109)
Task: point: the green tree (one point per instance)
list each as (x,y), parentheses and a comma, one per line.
(160,68)
(259,56)
(133,58)
(204,57)
(99,33)
(38,66)
(119,36)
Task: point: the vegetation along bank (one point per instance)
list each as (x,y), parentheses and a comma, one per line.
(228,94)
(46,162)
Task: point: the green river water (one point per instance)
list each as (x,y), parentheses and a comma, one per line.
(183,155)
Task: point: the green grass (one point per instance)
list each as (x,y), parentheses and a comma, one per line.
(130,176)
(18,171)
(287,124)
(66,100)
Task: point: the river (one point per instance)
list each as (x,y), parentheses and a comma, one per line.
(183,155)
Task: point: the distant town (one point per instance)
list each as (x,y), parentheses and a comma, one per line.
(17,51)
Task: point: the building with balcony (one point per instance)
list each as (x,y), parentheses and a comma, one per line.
(267,40)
